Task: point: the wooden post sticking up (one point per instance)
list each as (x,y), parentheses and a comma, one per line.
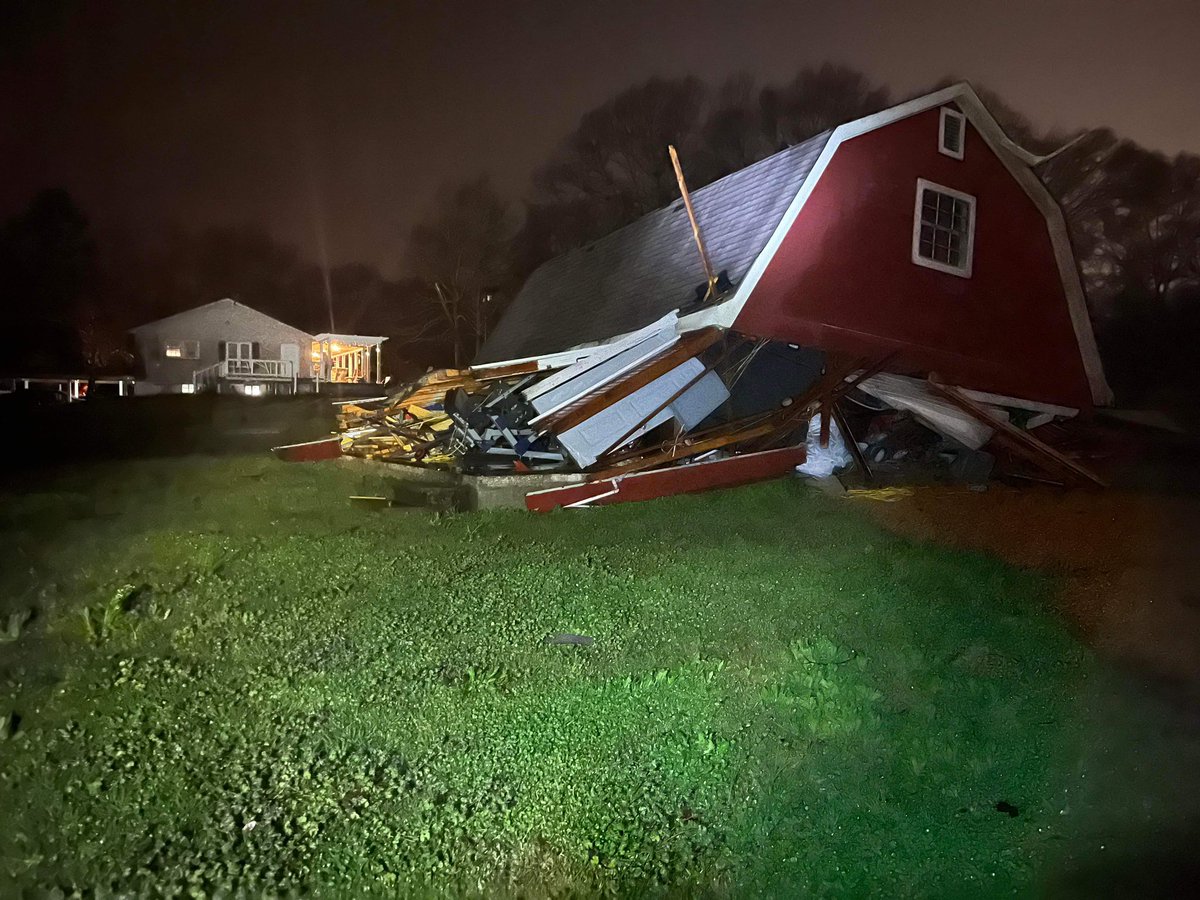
(687,202)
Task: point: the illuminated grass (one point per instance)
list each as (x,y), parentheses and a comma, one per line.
(236,683)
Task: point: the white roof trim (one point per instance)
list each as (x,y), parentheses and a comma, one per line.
(555,360)
(350,338)
(1016,159)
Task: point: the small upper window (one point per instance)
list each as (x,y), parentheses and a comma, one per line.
(953,132)
(943,229)
(182,350)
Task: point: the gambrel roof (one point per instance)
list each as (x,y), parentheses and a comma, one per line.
(648,268)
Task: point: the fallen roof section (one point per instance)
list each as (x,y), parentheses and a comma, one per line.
(638,273)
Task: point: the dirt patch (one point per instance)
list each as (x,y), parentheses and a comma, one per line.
(1128,558)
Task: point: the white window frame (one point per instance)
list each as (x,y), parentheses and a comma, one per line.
(182,348)
(963,271)
(948,113)
(231,345)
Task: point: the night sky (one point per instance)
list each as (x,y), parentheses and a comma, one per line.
(352,113)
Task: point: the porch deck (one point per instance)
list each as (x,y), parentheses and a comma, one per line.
(245,371)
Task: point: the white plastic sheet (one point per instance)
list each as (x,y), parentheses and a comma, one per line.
(822,461)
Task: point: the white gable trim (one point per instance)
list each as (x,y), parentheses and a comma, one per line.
(1014,158)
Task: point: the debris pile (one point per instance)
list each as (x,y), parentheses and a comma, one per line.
(660,412)
(654,399)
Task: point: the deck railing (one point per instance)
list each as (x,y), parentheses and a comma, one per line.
(245,370)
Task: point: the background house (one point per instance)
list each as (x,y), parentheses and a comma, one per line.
(227,346)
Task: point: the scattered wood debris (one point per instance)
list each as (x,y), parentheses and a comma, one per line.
(652,400)
(663,411)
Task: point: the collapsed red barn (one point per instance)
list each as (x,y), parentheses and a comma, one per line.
(912,257)
(921,231)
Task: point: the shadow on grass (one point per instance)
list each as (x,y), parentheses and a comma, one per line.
(142,427)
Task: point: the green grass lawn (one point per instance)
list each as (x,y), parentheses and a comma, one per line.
(237,683)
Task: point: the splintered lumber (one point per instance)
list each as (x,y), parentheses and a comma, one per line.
(842,375)
(583,408)
(511,370)
(788,417)
(1020,442)
(683,449)
(852,444)
(687,479)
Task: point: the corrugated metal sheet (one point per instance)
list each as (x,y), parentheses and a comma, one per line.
(631,277)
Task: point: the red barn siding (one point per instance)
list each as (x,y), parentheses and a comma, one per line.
(843,276)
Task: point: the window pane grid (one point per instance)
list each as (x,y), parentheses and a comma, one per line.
(945,221)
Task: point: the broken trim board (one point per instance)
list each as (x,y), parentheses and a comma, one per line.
(703,476)
(594,377)
(668,324)
(310,451)
(597,434)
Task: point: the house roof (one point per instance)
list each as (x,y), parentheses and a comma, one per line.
(650,267)
(227,302)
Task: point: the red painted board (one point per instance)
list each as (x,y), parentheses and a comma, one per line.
(310,451)
(703,476)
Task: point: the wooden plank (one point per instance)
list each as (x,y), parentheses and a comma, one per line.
(1040,454)
(702,476)
(852,444)
(786,418)
(682,450)
(509,371)
(689,345)
(310,451)
(709,274)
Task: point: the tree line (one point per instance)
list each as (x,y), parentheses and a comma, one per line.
(1133,214)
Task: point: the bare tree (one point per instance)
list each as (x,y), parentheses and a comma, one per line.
(614,167)
(815,100)
(461,255)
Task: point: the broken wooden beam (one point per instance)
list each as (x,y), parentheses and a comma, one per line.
(852,444)
(1021,442)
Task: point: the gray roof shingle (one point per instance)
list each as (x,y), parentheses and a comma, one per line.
(639,273)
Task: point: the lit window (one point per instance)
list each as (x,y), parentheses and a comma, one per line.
(187,389)
(181,350)
(943,229)
(952,133)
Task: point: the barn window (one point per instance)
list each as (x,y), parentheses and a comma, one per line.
(952,133)
(181,349)
(943,229)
